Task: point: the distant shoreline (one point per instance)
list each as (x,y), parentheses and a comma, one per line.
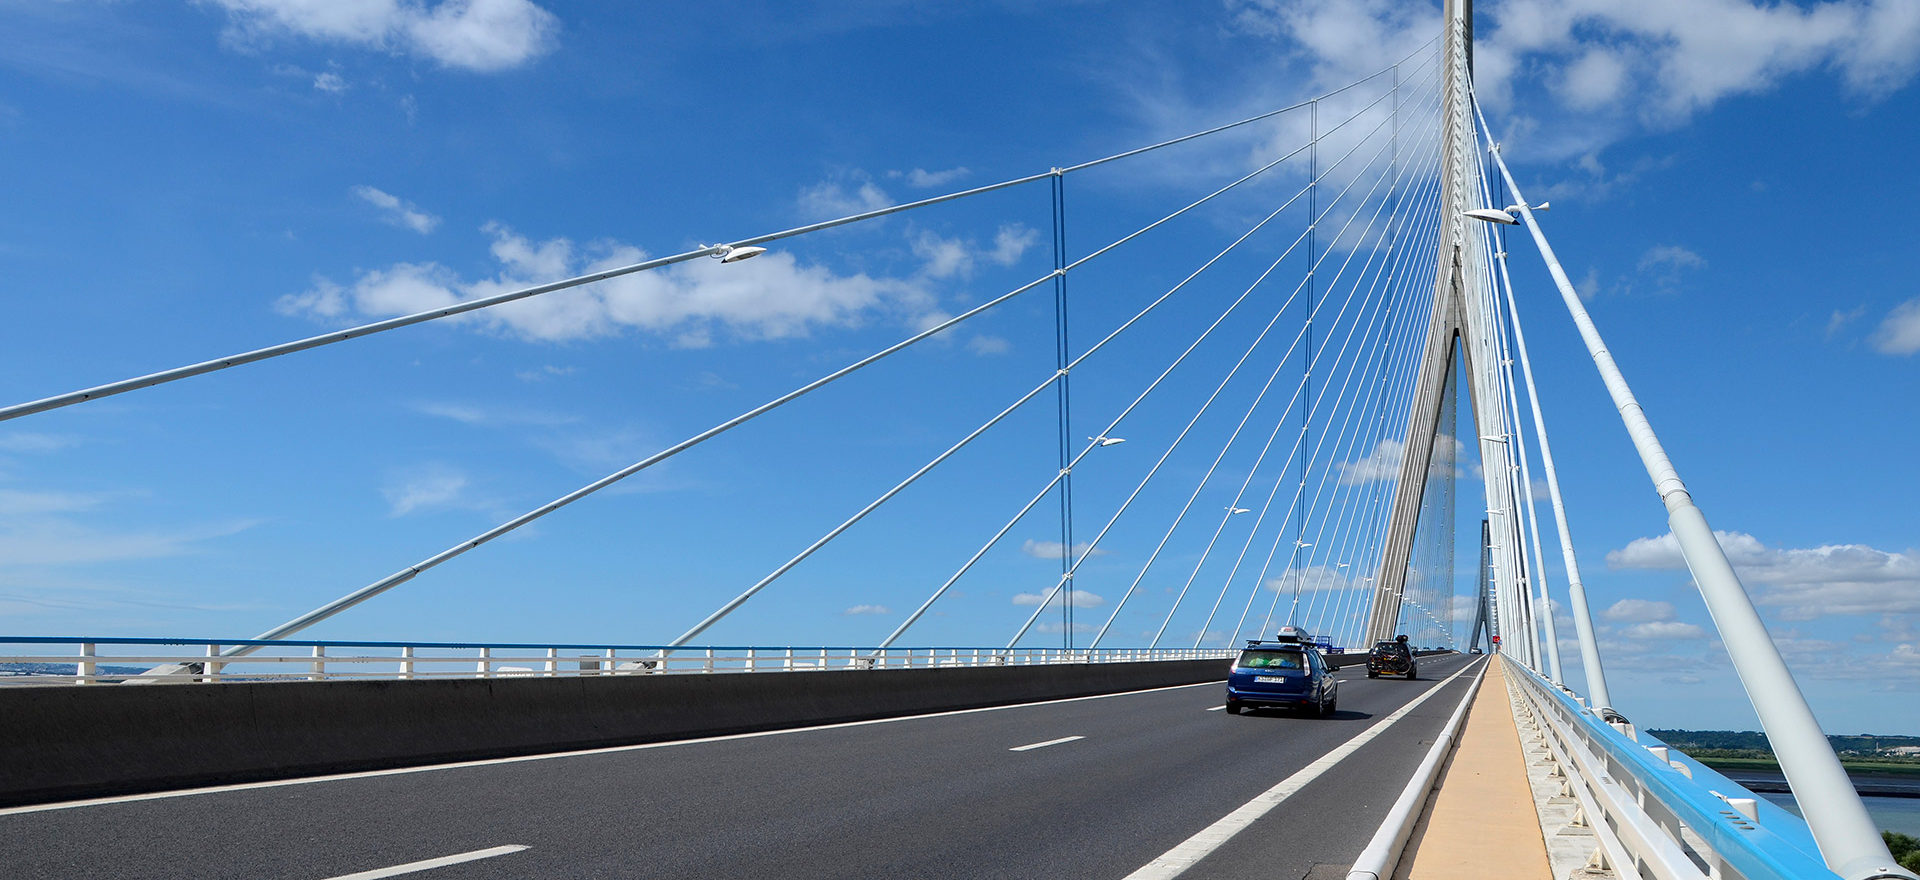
(1764,776)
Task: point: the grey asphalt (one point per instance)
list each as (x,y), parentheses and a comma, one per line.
(937,796)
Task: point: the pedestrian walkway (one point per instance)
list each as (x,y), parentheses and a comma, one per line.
(1480,820)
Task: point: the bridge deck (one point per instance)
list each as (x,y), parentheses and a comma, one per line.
(1481,821)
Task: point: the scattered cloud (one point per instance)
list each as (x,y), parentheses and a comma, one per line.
(1383,464)
(395,210)
(1315,579)
(989,345)
(543,373)
(1608,68)
(852,193)
(951,257)
(423,488)
(14,502)
(1664,263)
(33,443)
(56,540)
(1051,549)
(1081,599)
(1840,319)
(1638,611)
(331,83)
(1804,583)
(772,297)
(1899,332)
(867,609)
(920,178)
(475,35)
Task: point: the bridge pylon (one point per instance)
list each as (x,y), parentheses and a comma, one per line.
(1463,319)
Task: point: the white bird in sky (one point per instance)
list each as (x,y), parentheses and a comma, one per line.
(1108,441)
(1235,510)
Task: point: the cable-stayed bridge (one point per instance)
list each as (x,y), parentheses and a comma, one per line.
(1251,400)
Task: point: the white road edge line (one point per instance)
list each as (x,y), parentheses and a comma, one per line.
(1052,742)
(1176,861)
(430,864)
(487,762)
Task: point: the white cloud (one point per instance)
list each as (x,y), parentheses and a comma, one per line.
(867,609)
(1805,583)
(397,211)
(950,257)
(477,35)
(1639,611)
(1840,319)
(331,83)
(1081,599)
(1596,79)
(1612,66)
(1384,462)
(1314,579)
(29,442)
(1899,332)
(920,178)
(1670,258)
(14,502)
(45,540)
(989,345)
(428,487)
(1051,549)
(771,297)
(832,199)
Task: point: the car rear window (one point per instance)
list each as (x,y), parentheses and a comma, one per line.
(1273,660)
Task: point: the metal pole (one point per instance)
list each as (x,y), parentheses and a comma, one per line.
(1849,841)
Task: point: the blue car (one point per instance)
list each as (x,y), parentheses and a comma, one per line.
(1281,674)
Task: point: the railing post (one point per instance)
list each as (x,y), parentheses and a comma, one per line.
(318,668)
(84,668)
(211,672)
(483,668)
(406,663)
(553,662)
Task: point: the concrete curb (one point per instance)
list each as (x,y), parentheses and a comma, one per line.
(65,742)
(1383,852)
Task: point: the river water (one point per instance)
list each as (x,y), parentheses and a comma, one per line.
(1892,801)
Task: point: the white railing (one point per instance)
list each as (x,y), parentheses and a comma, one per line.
(82,661)
(1652,811)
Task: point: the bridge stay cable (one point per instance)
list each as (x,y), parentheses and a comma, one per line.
(1848,839)
(1265,508)
(218,364)
(1066,579)
(1021,514)
(1205,477)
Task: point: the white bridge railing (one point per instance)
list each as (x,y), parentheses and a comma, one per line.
(82,661)
(1650,811)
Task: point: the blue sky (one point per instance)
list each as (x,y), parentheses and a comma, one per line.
(1730,184)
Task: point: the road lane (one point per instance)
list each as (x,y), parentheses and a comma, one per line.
(932,796)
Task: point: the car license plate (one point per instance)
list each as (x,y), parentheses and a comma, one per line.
(1281,679)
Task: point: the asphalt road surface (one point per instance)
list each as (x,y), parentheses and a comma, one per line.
(1089,788)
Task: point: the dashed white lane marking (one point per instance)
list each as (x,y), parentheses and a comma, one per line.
(1052,742)
(1215,708)
(430,864)
(1176,861)
(548,756)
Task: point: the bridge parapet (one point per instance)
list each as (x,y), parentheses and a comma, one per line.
(88,660)
(1650,810)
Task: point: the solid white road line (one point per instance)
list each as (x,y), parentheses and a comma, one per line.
(430,768)
(430,864)
(1176,861)
(1052,742)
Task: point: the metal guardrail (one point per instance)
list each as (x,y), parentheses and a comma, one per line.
(85,660)
(1654,811)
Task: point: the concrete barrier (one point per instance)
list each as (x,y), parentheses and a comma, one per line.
(64,742)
